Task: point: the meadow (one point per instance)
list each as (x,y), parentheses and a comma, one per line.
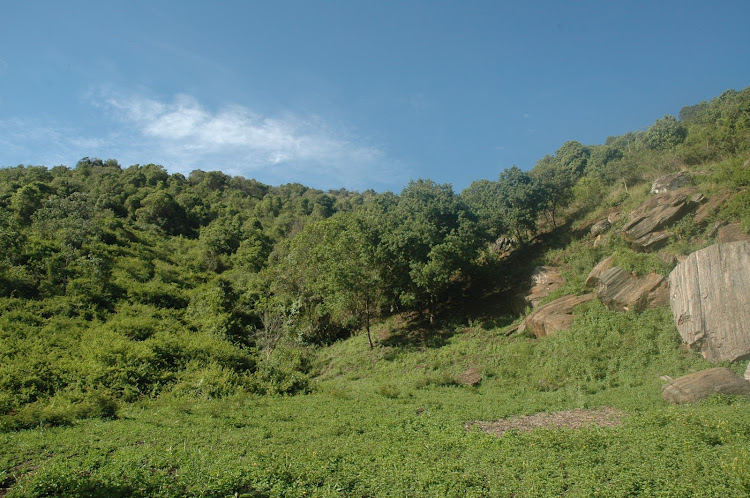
(393,422)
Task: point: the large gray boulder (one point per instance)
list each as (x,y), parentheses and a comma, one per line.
(655,214)
(554,316)
(618,290)
(710,300)
(700,385)
(671,182)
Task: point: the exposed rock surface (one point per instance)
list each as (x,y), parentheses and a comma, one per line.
(618,290)
(596,273)
(545,280)
(600,227)
(656,213)
(700,385)
(651,241)
(668,258)
(504,245)
(709,208)
(732,233)
(554,316)
(710,296)
(671,182)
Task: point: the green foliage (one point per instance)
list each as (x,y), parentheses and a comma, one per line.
(734,172)
(739,207)
(588,193)
(665,133)
(640,263)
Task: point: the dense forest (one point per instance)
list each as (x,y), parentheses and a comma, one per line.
(122,284)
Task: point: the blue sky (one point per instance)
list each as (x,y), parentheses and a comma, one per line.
(351,93)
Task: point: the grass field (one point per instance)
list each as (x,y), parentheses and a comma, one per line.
(392,422)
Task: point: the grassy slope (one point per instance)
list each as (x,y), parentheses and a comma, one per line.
(391,422)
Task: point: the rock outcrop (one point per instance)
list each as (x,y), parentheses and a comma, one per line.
(554,316)
(731,233)
(671,182)
(709,296)
(504,245)
(700,385)
(653,215)
(618,290)
(704,213)
(544,281)
(596,273)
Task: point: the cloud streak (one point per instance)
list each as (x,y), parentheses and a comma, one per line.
(182,135)
(284,148)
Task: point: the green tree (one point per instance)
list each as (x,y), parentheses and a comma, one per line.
(665,133)
(521,203)
(554,185)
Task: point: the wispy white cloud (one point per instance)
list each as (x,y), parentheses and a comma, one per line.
(182,134)
(283,148)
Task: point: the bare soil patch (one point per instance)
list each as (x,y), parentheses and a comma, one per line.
(569,419)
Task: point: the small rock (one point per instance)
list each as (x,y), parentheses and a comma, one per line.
(504,245)
(600,227)
(554,316)
(668,258)
(618,290)
(613,217)
(544,281)
(747,373)
(700,385)
(651,241)
(670,182)
(715,228)
(709,208)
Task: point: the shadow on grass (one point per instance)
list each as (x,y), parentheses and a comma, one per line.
(416,332)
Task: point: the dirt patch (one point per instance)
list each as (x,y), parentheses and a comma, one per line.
(570,419)
(470,377)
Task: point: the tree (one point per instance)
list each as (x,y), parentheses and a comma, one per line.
(554,185)
(665,133)
(521,201)
(330,269)
(159,208)
(484,199)
(431,242)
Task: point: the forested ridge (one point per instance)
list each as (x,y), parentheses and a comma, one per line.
(120,284)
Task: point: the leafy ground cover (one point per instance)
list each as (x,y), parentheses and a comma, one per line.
(392,422)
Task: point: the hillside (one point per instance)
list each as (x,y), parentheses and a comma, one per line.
(214,336)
